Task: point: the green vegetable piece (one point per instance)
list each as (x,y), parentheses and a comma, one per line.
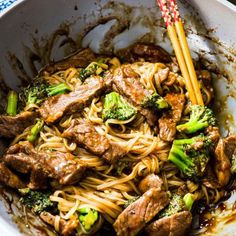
(81,217)
(156,102)
(39,90)
(115,107)
(84,210)
(35,93)
(35,131)
(200,118)
(176,205)
(190,158)
(88,217)
(12,100)
(37,201)
(94,68)
(188,200)
(55,89)
(121,165)
(130,201)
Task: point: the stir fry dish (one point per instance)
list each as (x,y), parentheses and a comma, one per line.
(112,145)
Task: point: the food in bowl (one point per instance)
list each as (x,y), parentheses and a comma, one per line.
(101,144)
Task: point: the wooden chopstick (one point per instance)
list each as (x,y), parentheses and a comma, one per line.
(189,61)
(185,48)
(180,58)
(179,42)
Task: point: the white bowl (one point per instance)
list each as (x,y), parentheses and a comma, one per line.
(29,21)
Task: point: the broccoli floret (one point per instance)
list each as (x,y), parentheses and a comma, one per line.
(115,107)
(94,68)
(156,102)
(191,155)
(39,90)
(55,89)
(233,164)
(37,201)
(200,118)
(88,217)
(34,93)
(177,204)
(130,201)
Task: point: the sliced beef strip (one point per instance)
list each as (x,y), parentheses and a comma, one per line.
(23,159)
(167,129)
(176,101)
(167,123)
(114,153)
(150,181)
(222,164)
(174,225)
(162,75)
(219,173)
(8,178)
(64,168)
(210,179)
(11,126)
(127,82)
(230,145)
(150,52)
(139,213)
(84,134)
(55,107)
(80,58)
(213,134)
(41,167)
(66,228)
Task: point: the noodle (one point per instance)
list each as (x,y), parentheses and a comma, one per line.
(103,188)
(102,191)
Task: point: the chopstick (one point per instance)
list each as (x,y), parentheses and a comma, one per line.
(179,42)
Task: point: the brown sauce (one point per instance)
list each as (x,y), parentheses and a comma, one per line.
(26,221)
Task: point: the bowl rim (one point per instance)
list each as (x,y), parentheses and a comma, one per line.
(226,3)
(8,229)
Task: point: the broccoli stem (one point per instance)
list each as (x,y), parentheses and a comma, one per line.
(31,100)
(12,100)
(179,163)
(57,89)
(35,131)
(84,210)
(183,158)
(188,200)
(192,127)
(183,141)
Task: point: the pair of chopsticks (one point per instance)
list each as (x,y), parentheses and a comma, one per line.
(171,16)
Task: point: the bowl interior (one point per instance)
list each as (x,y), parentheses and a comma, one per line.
(106,26)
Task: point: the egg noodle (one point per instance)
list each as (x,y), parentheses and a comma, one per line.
(101,189)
